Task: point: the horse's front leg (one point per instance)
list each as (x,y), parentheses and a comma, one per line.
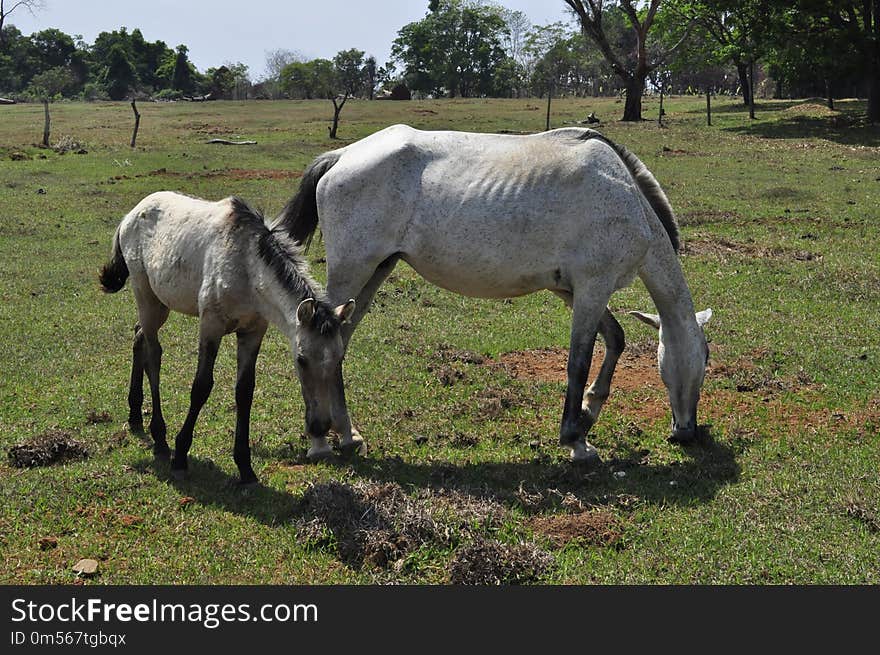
(576,423)
(209,345)
(359,281)
(615,342)
(248,348)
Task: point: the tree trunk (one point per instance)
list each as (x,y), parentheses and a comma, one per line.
(874,99)
(660,113)
(632,110)
(46,123)
(829,93)
(709,106)
(751,86)
(743,71)
(137,123)
(549,98)
(337,109)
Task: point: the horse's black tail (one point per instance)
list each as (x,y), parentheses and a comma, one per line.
(115,272)
(299,218)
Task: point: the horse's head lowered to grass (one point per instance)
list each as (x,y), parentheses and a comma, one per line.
(682,363)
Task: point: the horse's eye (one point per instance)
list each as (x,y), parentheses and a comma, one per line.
(302,361)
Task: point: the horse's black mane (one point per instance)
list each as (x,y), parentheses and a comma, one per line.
(285,259)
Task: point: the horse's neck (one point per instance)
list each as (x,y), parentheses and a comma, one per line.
(662,275)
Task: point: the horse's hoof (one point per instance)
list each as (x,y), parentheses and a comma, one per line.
(319,454)
(683,437)
(245,485)
(135,427)
(179,474)
(583,454)
(354,447)
(162,453)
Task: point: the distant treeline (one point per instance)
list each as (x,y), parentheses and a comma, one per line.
(470,48)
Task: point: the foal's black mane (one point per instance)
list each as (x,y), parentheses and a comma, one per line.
(284,258)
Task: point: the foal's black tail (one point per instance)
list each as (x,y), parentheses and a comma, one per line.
(115,272)
(299,218)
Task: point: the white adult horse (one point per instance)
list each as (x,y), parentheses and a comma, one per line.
(220,262)
(497,216)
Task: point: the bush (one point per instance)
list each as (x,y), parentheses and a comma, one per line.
(94,91)
(168,94)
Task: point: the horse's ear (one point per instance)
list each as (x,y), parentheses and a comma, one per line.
(703,317)
(305,311)
(651,319)
(345,312)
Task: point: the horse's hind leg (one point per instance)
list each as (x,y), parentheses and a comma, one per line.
(209,345)
(136,384)
(248,348)
(152,314)
(615,342)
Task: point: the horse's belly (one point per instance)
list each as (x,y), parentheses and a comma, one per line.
(481,279)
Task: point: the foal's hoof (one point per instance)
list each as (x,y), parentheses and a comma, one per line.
(354,447)
(179,474)
(246,485)
(583,454)
(319,453)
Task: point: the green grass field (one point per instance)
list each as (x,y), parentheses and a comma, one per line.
(458,399)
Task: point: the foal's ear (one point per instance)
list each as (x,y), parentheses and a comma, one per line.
(345,312)
(305,311)
(651,319)
(703,317)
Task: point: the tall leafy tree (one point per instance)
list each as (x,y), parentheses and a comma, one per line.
(182,79)
(119,75)
(632,65)
(455,50)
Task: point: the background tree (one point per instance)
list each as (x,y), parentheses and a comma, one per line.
(550,49)
(9,6)
(276,61)
(119,75)
(370,75)
(633,66)
(456,50)
(182,79)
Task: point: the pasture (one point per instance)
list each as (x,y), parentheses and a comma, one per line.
(458,399)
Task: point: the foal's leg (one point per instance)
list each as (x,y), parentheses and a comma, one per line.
(248,348)
(586,314)
(209,345)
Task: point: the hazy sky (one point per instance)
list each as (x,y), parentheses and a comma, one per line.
(217,31)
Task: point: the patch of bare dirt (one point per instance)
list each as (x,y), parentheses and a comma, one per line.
(489,562)
(47,448)
(635,370)
(596,528)
(722,248)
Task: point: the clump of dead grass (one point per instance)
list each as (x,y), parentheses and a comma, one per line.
(47,448)
(379,524)
(490,562)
